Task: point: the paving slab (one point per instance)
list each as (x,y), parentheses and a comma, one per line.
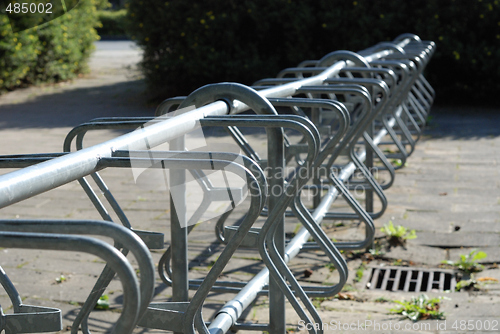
(418,254)
(457,239)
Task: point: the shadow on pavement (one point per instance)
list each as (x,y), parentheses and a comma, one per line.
(463,123)
(71,107)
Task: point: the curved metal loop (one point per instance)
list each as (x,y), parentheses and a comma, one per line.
(363,215)
(131,122)
(295,122)
(379,108)
(169,105)
(301,124)
(261,106)
(342,55)
(318,234)
(277,265)
(390,77)
(272,81)
(115,259)
(250,165)
(333,152)
(389,46)
(361,129)
(257,200)
(103,123)
(357,90)
(325,244)
(404,36)
(359,211)
(409,102)
(337,107)
(184,155)
(312,226)
(121,236)
(344,116)
(299,71)
(229,92)
(407,73)
(332,149)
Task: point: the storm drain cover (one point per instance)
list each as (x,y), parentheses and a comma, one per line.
(411,279)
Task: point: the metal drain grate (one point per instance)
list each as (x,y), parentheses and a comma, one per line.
(411,279)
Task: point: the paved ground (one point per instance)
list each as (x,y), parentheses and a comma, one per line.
(449,192)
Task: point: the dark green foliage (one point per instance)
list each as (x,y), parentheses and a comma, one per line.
(51,52)
(112,22)
(191,43)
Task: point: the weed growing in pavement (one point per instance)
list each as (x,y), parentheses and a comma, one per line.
(397,235)
(60,279)
(419,308)
(360,272)
(468,263)
(473,283)
(102,303)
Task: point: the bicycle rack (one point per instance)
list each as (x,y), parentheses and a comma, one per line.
(26,319)
(345,108)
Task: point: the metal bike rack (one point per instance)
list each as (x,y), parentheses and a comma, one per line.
(344,107)
(31,234)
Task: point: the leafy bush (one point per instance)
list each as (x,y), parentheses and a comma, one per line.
(51,52)
(191,43)
(112,22)
(188,44)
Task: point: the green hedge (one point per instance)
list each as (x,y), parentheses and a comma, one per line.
(191,43)
(57,50)
(112,22)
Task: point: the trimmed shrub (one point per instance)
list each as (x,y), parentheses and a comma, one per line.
(112,22)
(191,43)
(188,44)
(55,51)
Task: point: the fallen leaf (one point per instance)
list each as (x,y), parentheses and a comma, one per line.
(486,279)
(345,296)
